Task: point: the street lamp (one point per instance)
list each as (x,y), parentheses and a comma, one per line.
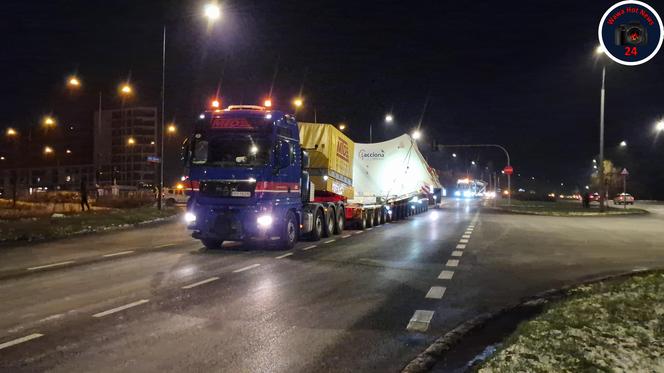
(267,103)
(454,155)
(212,12)
(298,102)
(342,127)
(659,127)
(11,132)
(389,118)
(49,121)
(126,89)
(600,51)
(131,141)
(73,82)
(623,144)
(473,163)
(417,135)
(48,150)
(172,129)
(215,103)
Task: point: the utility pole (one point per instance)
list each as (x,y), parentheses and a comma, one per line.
(602,188)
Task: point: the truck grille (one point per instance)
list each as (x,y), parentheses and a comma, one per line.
(239,189)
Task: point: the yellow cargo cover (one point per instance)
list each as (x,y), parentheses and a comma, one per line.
(330,154)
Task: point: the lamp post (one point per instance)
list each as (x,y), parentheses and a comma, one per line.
(599,51)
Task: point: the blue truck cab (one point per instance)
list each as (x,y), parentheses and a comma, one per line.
(246,178)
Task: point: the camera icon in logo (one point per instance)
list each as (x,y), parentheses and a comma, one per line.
(631,34)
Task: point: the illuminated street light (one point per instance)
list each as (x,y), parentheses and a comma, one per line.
(73,82)
(49,121)
(454,155)
(2,158)
(472,162)
(11,132)
(267,103)
(215,103)
(171,128)
(417,135)
(389,118)
(126,89)
(342,127)
(212,11)
(48,150)
(298,102)
(659,127)
(599,50)
(131,141)
(623,144)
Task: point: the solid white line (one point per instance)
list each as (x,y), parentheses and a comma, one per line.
(308,247)
(121,308)
(345,236)
(452,263)
(436,292)
(200,283)
(329,241)
(20,340)
(463,240)
(420,321)
(446,275)
(465,236)
(457,253)
(284,255)
(118,253)
(246,268)
(461,246)
(51,265)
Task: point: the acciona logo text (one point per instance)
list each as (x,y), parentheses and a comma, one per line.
(366,154)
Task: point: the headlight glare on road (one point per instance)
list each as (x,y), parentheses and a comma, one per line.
(189,217)
(457,193)
(264,221)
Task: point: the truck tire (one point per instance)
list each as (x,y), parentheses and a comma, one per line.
(370,218)
(330,222)
(381,216)
(212,244)
(290,232)
(376,217)
(340,221)
(319,226)
(362,224)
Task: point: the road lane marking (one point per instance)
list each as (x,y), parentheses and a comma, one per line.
(284,255)
(465,236)
(118,253)
(121,308)
(452,263)
(308,247)
(358,232)
(16,341)
(51,265)
(446,275)
(200,283)
(246,268)
(461,246)
(164,245)
(468,232)
(369,229)
(436,292)
(329,241)
(420,321)
(345,236)
(463,240)
(457,253)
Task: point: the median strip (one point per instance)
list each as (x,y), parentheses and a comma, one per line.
(121,308)
(51,265)
(246,268)
(16,341)
(420,321)
(200,283)
(118,253)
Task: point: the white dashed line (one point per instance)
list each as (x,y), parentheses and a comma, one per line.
(118,253)
(308,247)
(457,253)
(420,321)
(436,292)
(121,308)
(246,268)
(51,265)
(463,240)
(452,263)
(465,236)
(369,229)
(284,256)
(329,241)
(16,341)
(461,246)
(345,236)
(200,283)
(446,275)
(358,232)
(468,232)
(164,245)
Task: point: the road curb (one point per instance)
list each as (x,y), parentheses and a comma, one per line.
(427,359)
(638,212)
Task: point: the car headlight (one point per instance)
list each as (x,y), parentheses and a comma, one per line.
(264,221)
(457,193)
(189,217)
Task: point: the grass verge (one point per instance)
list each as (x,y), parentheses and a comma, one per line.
(561,208)
(44,228)
(604,327)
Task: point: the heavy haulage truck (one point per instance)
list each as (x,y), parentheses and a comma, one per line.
(256,174)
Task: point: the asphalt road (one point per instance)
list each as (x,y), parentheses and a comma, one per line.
(345,305)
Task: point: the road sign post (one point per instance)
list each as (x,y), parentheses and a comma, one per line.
(509,170)
(624,174)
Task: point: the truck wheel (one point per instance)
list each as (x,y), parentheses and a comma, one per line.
(290,232)
(330,222)
(341,220)
(362,224)
(376,217)
(370,218)
(212,244)
(381,216)
(319,224)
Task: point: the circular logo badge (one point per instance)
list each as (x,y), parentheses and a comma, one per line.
(631,32)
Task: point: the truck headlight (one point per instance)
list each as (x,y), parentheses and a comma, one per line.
(189,217)
(264,221)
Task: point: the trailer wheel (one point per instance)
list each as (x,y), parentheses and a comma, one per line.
(381,216)
(330,222)
(290,232)
(341,220)
(319,225)
(212,244)
(370,218)
(376,218)
(362,224)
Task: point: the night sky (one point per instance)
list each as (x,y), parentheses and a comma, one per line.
(521,74)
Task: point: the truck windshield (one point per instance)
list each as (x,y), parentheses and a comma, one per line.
(231,151)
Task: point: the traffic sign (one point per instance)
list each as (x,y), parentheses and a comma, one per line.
(624,172)
(153,159)
(508,170)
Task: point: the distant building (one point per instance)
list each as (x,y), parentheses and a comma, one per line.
(123,141)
